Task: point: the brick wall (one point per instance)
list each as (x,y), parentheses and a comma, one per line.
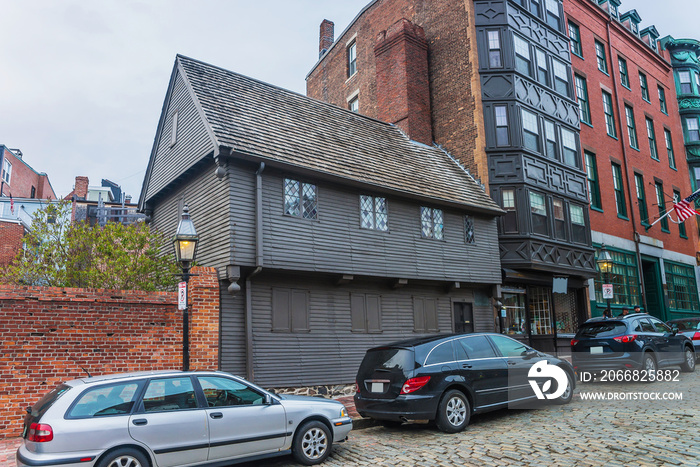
(47,334)
(23,178)
(10,241)
(455,93)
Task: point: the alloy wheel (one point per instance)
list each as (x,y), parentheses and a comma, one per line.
(125,461)
(456,411)
(314,443)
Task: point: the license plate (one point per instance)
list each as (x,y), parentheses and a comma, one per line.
(377,387)
(596,350)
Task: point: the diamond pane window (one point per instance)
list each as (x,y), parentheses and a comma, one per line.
(309,193)
(291,197)
(366,212)
(431,223)
(373,213)
(469,229)
(300,199)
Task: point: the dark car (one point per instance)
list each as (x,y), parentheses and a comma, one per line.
(449,378)
(633,342)
(689,327)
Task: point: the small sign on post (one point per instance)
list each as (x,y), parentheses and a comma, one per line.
(607,291)
(182,295)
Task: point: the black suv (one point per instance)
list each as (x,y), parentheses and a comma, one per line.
(637,341)
(449,378)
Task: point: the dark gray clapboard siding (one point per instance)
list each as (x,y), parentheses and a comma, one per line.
(335,243)
(208,201)
(330,353)
(241,180)
(193,141)
(232,353)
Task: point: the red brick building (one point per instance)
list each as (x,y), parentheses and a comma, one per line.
(633,147)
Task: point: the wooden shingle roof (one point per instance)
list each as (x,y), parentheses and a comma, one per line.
(258,119)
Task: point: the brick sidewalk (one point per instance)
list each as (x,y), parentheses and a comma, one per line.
(8,446)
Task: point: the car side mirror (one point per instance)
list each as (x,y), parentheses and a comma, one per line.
(674,327)
(268,399)
(529,353)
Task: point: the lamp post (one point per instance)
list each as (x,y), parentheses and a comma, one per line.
(185,243)
(605,263)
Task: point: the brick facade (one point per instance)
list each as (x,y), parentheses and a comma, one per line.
(48,333)
(23,178)
(455,92)
(11,234)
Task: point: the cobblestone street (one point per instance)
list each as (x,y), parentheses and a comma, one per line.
(583,433)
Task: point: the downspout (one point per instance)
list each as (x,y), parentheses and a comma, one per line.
(620,113)
(258,267)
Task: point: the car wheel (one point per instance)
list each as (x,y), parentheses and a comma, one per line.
(649,366)
(125,457)
(453,412)
(568,393)
(688,364)
(312,443)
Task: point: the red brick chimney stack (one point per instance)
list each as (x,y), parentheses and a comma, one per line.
(326,37)
(403,89)
(81,187)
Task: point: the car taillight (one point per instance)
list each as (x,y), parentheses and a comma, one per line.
(357,387)
(626,339)
(40,433)
(414,384)
(696,336)
(574,342)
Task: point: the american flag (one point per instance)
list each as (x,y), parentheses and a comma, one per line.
(683,208)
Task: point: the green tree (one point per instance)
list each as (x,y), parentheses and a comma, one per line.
(58,253)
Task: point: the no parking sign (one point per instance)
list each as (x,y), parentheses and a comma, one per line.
(182,295)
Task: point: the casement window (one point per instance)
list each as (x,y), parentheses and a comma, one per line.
(352,58)
(553,14)
(469,229)
(495,54)
(681,225)
(373,213)
(578,223)
(661,203)
(561,77)
(619,191)
(510,220)
(365,313)
(684,82)
(662,100)
(425,314)
(559,219)
(354,104)
(641,199)
(682,286)
(502,132)
(542,70)
(568,143)
(531,131)
(624,76)
(523,59)
(538,211)
(692,129)
(600,57)
(6,170)
(651,135)
(593,185)
(575,39)
(669,149)
(582,98)
(300,199)
(431,223)
(290,310)
(644,86)
(609,115)
(631,128)
(550,139)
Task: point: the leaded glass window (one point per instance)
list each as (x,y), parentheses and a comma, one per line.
(431,223)
(373,213)
(300,199)
(469,229)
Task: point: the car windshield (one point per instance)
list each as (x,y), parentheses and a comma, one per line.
(602,329)
(388,359)
(686,325)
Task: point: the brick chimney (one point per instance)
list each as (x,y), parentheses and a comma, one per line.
(81,187)
(326,37)
(403,89)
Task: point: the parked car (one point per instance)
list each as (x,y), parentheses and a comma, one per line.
(449,378)
(689,327)
(637,341)
(175,418)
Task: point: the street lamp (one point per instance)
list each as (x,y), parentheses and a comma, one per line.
(185,243)
(605,263)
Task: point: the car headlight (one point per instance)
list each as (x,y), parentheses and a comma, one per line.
(343,412)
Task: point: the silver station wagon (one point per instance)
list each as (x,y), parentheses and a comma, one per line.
(175,418)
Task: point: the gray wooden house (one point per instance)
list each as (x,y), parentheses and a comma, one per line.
(332,232)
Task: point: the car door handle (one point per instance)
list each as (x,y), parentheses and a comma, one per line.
(216,415)
(466,365)
(512,363)
(140,421)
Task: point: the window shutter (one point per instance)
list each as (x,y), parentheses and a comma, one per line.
(357,312)
(374,313)
(418,314)
(431,316)
(300,310)
(280,310)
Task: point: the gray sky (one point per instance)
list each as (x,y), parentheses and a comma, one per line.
(82,82)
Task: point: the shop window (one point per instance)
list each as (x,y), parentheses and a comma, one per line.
(661,203)
(540,311)
(582,98)
(601,59)
(609,115)
(641,199)
(290,310)
(651,135)
(366,313)
(619,191)
(431,223)
(510,221)
(593,185)
(578,224)
(538,209)
(565,311)
(495,55)
(624,277)
(425,314)
(514,322)
(682,286)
